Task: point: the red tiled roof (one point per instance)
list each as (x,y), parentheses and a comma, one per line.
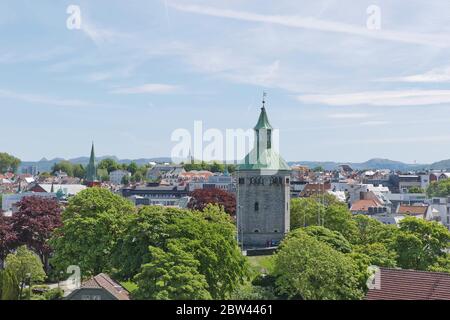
(364,205)
(104,281)
(400,284)
(414,210)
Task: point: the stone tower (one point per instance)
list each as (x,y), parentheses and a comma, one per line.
(263,192)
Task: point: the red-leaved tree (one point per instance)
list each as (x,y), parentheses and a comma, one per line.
(202,197)
(34,223)
(7,238)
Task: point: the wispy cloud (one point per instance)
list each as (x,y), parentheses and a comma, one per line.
(46,100)
(381,98)
(374,123)
(102,35)
(157,88)
(433,76)
(437,40)
(348,115)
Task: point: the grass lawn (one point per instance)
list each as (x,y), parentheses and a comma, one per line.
(261,264)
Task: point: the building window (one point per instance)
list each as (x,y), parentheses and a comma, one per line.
(256,206)
(276,230)
(256,231)
(287,180)
(241,180)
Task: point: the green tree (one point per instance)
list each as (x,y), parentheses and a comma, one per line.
(420,243)
(108,164)
(125,180)
(209,235)
(379,254)
(137,177)
(305,212)
(171,275)
(306,268)
(439,188)
(362,263)
(93,221)
(64,166)
(333,238)
(132,167)
(9,286)
(442,264)
(370,230)
(102,174)
(8,163)
(325,212)
(415,189)
(79,171)
(217,167)
(25,266)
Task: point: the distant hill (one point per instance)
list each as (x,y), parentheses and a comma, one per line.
(376,163)
(441,165)
(46,165)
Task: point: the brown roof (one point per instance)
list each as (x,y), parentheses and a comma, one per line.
(364,205)
(317,188)
(414,210)
(102,280)
(400,284)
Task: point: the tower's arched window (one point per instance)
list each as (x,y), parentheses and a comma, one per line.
(256,206)
(269,139)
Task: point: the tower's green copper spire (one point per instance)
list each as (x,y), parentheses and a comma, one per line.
(262,156)
(263,121)
(91,170)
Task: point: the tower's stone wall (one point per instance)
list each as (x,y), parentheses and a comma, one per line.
(263,212)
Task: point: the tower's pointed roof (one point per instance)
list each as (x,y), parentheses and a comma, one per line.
(263,157)
(91,170)
(92,158)
(263,121)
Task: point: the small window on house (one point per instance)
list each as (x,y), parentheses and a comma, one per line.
(276,231)
(256,206)
(256,231)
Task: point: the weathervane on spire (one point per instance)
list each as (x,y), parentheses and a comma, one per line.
(264,99)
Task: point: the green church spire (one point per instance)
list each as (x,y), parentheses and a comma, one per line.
(91,170)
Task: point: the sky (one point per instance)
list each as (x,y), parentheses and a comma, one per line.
(343,82)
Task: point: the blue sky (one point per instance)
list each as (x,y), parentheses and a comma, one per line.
(138,70)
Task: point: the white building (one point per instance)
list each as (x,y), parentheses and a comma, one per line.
(441,210)
(116,176)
